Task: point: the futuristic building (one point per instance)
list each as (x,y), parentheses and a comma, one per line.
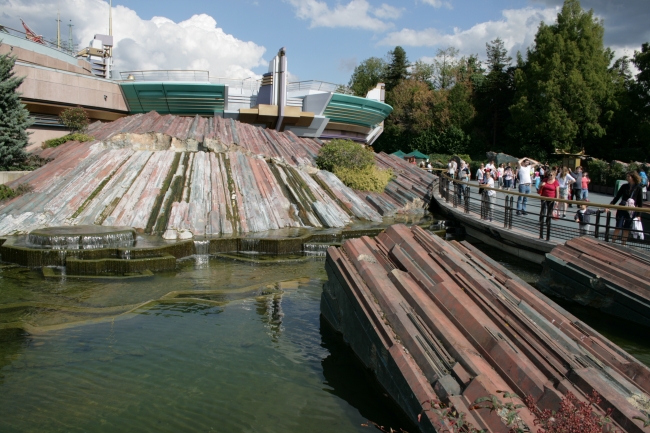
(56,79)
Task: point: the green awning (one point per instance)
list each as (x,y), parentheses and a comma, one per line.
(417,155)
(399,154)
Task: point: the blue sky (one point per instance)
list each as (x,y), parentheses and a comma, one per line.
(324,39)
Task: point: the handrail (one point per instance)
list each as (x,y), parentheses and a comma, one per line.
(539,197)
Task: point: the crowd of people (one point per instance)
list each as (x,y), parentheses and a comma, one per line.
(551,183)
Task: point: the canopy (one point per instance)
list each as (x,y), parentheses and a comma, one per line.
(399,154)
(417,155)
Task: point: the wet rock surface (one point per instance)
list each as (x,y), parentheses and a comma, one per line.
(182,177)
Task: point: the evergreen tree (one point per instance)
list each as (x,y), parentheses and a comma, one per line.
(367,75)
(564,91)
(14,117)
(397,69)
(494,95)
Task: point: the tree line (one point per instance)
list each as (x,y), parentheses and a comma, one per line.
(567,93)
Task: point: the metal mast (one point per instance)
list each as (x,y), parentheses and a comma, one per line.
(58,29)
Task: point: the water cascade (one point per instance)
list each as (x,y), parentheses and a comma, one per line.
(201,254)
(81,237)
(249,245)
(316,249)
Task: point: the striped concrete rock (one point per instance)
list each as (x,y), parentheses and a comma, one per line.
(182,176)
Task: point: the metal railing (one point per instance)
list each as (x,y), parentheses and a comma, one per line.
(249,83)
(65,49)
(322,86)
(544,225)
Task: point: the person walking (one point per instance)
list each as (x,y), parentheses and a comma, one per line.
(523,177)
(500,171)
(491,195)
(624,219)
(508,175)
(577,185)
(565,180)
(549,189)
(585,187)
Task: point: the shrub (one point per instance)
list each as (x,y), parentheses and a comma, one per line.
(76,119)
(616,172)
(365,179)
(70,137)
(7,192)
(597,170)
(344,154)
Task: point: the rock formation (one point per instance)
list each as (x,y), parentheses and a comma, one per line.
(185,176)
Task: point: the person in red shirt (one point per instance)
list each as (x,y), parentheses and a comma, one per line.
(549,189)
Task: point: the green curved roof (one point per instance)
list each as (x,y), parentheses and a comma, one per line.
(174,97)
(356,110)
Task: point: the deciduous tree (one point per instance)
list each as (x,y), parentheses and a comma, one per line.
(564,92)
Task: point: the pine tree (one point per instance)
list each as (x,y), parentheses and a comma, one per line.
(14,117)
(564,91)
(494,96)
(397,69)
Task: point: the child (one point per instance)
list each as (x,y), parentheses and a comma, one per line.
(584,194)
(583,218)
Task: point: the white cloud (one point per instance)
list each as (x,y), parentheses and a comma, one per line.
(437,3)
(355,14)
(158,43)
(387,12)
(517,29)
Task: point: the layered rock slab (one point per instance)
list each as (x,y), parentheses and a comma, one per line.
(183,176)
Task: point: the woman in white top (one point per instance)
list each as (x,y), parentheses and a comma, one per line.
(491,195)
(565,180)
(500,171)
(480,173)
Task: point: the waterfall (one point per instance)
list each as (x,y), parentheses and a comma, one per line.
(249,245)
(201,254)
(75,242)
(125,254)
(315,249)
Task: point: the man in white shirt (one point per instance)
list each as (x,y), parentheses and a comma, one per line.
(491,195)
(523,176)
(452,166)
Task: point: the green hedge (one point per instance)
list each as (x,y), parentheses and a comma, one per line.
(70,137)
(365,179)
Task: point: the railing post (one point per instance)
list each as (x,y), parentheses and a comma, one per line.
(597,224)
(512,210)
(542,219)
(609,218)
(548,228)
(506,213)
(467,190)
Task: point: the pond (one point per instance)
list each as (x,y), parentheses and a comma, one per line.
(231,349)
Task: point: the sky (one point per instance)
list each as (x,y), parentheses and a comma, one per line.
(325,39)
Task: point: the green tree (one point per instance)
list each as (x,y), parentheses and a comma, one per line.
(14,117)
(366,76)
(397,69)
(564,91)
(422,71)
(495,95)
(75,119)
(445,65)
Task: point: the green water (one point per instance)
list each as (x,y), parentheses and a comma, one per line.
(230,350)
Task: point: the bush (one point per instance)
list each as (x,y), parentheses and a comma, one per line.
(7,192)
(365,179)
(598,171)
(75,119)
(70,137)
(616,172)
(344,154)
